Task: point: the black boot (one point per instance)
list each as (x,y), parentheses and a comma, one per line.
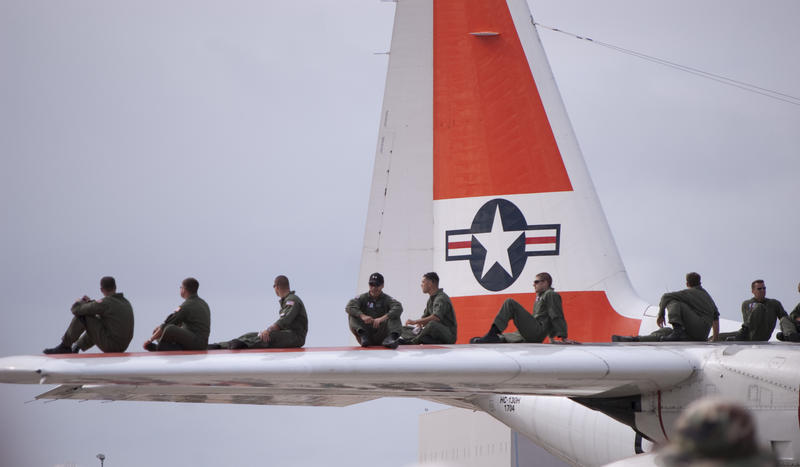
(236,344)
(168,346)
(489,338)
(363,338)
(678,334)
(616,338)
(59,349)
(743,334)
(391,341)
(788,337)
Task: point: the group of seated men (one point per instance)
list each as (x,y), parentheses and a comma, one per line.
(108,323)
(374,319)
(691,313)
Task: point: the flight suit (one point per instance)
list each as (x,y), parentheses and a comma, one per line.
(107,322)
(759,318)
(293,324)
(187,328)
(375,308)
(444,331)
(547,319)
(693,308)
(790,325)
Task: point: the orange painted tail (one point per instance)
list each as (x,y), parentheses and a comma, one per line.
(479,177)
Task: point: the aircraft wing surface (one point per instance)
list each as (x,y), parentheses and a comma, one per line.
(342,376)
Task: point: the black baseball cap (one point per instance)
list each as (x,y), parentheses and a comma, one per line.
(376,278)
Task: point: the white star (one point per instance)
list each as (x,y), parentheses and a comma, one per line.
(497,243)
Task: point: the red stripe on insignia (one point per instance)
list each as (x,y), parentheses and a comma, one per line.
(455,245)
(537,240)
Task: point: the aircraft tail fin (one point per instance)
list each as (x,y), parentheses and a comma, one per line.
(478,175)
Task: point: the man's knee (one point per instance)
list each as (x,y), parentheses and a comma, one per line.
(675,312)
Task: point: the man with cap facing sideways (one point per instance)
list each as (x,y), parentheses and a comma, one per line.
(438,322)
(187,327)
(106,322)
(375,316)
(287,332)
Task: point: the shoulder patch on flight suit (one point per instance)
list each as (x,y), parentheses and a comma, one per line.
(289,303)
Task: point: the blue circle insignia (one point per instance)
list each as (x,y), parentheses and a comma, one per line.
(497,277)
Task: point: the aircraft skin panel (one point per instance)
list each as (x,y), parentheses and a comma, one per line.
(565,429)
(397,237)
(765,378)
(487,109)
(425,372)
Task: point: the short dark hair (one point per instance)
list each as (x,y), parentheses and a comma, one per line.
(433,277)
(191,285)
(282,282)
(546,277)
(757,281)
(692,279)
(108,283)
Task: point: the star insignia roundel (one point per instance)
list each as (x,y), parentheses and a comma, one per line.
(499,242)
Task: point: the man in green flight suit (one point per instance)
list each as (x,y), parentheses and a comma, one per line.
(547,319)
(375,316)
(438,322)
(187,327)
(691,312)
(288,331)
(106,322)
(759,315)
(791,327)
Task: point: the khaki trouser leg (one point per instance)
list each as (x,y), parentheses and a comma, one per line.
(679,313)
(375,335)
(74,331)
(528,327)
(87,331)
(283,339)
(788,327)
(656,335)
(181,337)
(434,333)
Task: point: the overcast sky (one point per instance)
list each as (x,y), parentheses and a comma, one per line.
(233,141)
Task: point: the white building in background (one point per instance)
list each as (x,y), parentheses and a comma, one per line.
(466,438)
